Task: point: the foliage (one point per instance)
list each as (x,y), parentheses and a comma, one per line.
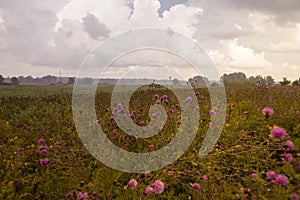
(29,113)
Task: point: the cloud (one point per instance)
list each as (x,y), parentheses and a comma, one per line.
(94,28)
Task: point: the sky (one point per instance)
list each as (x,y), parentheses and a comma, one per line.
(39,37)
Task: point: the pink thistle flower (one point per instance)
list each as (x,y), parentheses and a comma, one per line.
(289,144)
(278,133)
(267,111)
(212,112)
(83,195)
(158,102)
(43,147)
(120,106)
(148,190)
(158,187)
(254,175)
(151,146)
(287,157)
(271,175)
(41,141)
(134,112)
(196,186)
(111,117)
(281,179)
(204,178)
(177,105)
(44,162)
(43,151)
(132,183)
(189,99)
(56,144)
(20,149)
(155,96)
(294,196)
(113,138)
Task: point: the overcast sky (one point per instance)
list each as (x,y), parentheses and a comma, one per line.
(40,37)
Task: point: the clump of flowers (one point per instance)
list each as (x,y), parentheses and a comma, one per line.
(158,186)
(82,195)
(288,157)
(267,111)
(148,190)
(196,186)
(271,175)
(41,141)
(295,196)
(289,144)
(281,179)
(212,112)
(278,133)
(132,183)
(44,162)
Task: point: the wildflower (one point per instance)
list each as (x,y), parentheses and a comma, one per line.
(158,102)
(134,112)
(281,179)
(148,190)
(43,147)
(158,187)
(289,144)
(271,175)
(43,151)
(170,173)
(204,178)
(56,144)
(44,162)
(151,146)
(17,182)
(294,196)
(155,96)
(41,141)
(83,195)
(142,123)
(196,186)
(287,157)
(254,175)
(113,138)
(212,112)
(120,106)
(278,132)
(267,111)
(20,149)
(132,183)
(189,99)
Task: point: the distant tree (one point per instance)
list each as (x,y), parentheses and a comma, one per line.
(198,80)
(14,81)
(1,79)
(175,81)
(234,77)
(269,80)
(285,82)
(296,83)
(71,81)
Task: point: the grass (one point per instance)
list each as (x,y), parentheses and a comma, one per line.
(28,113)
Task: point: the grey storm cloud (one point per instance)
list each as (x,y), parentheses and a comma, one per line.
(93,27)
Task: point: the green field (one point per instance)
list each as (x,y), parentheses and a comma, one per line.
(236,169)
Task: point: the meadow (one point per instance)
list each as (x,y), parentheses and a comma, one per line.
(256,157)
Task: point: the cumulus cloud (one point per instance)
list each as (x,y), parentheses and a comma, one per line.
(94,28)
